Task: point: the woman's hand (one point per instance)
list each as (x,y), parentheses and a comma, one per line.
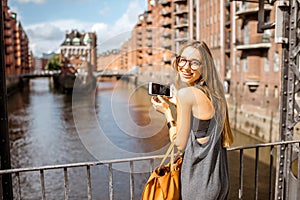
(160,104)
(172,100)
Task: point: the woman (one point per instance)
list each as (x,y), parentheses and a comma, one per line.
(201,129)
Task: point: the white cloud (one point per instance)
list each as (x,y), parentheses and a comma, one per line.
(45,37)
(121,29)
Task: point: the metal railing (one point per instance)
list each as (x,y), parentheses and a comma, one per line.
(151,159)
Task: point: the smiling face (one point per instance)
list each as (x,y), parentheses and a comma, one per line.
(187,68)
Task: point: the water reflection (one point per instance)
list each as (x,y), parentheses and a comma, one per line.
(45,129)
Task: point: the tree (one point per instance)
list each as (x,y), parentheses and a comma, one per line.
(53,63)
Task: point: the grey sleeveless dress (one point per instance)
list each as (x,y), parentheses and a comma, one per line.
(204,174)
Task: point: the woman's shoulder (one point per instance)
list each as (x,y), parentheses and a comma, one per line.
(191,93)
(186,91)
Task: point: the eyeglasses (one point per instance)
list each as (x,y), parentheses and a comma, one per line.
(194,64)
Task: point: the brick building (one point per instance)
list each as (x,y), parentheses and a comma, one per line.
(18,58)
(79,48)
(248,61)
(254,60)
(109,60)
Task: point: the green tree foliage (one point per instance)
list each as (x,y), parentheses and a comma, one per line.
(53,63)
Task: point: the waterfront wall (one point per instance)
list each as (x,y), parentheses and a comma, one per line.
(258,122)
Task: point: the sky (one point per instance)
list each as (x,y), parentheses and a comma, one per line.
(46,21)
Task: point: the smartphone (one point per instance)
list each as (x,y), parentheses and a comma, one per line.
(159,89)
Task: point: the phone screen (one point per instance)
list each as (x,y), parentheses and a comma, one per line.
(159,89)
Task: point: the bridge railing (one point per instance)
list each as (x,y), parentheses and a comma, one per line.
(40,73)
(130,161)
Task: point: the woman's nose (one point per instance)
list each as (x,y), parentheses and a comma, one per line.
(187,65)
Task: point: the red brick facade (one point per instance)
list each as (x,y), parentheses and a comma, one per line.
(18,59)
(248,61)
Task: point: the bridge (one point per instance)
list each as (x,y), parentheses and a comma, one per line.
(115,73)
(40,73)
(103,73)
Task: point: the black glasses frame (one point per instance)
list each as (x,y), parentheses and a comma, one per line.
(178,58)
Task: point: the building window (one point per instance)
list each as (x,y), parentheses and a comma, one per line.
(238,64)
(244,63)
(239,33)
(246,32)
(215,41)
(276,93)
(266,91)
(276,61)
(266,63)
(218,64)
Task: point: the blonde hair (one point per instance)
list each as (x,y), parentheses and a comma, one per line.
(212,85)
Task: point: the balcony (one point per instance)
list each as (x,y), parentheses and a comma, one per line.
(166,44)
(181,39)
(252,85)
(181,11)
(227,24)
(149,51)
(149,20)
(181,25)
(166,11)
(227,47)
(257,42)
(149,36)
(139,38)
(227,5)
(166,23)
(165,2)
(180,1)
(183,35)
(167,34)
(244,12)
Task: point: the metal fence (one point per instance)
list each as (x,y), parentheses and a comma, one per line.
(130,161)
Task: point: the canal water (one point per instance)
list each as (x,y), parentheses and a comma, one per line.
(48,127)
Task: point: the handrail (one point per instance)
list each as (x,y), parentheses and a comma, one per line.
(151,159)
(81,164)
(262,145)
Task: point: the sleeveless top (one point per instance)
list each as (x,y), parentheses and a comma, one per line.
(204,172)
(200,127)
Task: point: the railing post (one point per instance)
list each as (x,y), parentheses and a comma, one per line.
(131,181)
(256,172)
(271,193)
(111,187)
(6,181)
(241,174)
(288,10)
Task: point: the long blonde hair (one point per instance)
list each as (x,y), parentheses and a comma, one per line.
(211,83)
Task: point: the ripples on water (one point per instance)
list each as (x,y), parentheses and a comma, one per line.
(43,132)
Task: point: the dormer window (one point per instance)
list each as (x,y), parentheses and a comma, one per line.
(76,41)
(68,41)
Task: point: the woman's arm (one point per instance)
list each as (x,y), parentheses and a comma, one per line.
(179,130)
(189,100)
(184,110)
